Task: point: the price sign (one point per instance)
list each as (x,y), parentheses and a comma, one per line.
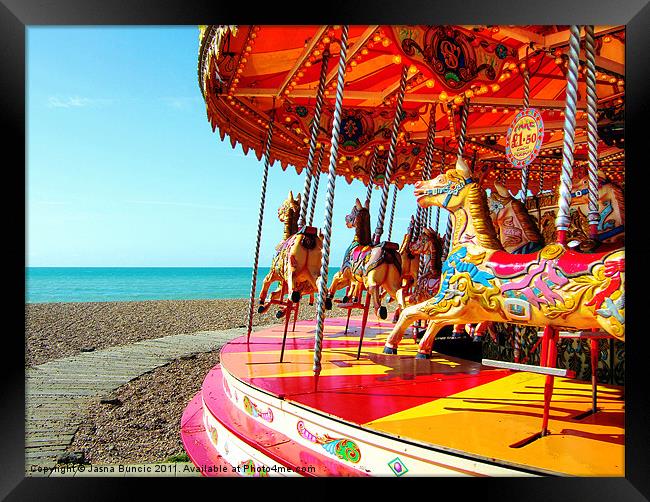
(524,137)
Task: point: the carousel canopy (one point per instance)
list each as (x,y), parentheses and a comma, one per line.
(251,74)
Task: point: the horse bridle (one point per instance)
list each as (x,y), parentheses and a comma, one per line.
(451,189)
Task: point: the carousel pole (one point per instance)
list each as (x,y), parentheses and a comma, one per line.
(392,212)
(373,167)
(379,229)
(315,126)
(329,206)
(443,162)
(314,194)
(426,173)
(461,149)
(267,158)
(593,215)
(563,220)
(592,132)
(525,169)
(422,215)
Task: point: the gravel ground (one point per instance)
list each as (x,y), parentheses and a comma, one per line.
(145,427)
(55,330)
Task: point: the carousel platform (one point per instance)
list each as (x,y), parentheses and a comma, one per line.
(385,415)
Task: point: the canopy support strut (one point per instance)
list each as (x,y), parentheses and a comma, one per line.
(329,205)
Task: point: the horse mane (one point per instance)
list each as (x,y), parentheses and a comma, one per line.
(437,251)
(291,225)
(362,227)
(478,209)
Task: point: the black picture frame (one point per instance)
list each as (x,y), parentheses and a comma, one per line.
(17,15)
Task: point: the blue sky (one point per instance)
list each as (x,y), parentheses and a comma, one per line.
(123,168)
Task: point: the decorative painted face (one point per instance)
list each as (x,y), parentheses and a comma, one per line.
(289,208)
(445,190)
(351,219)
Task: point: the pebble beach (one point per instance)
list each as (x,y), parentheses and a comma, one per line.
(55,330)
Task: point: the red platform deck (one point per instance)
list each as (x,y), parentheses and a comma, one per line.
(391,415)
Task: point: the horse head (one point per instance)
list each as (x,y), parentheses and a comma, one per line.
(356,213)
(580,189)
(447,190)
(290,208)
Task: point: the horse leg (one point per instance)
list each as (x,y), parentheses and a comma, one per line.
(408,316)
(268,280)
(338,281)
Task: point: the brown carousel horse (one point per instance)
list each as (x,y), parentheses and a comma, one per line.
(513,223)
(374,267)
(553,287)
(611,208)
(296,264)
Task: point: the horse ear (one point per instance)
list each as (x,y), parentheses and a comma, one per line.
(297,199)
(503,191)
(462,167)
(367,204)
(290,194)
(357,203)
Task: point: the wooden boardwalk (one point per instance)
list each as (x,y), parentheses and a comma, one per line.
(58,392)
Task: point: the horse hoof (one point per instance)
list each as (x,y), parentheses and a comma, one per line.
(261,309)
(389,350)
(328,304)
(279,314)
(345,299)
(422,355)
(295,296)
(383,312)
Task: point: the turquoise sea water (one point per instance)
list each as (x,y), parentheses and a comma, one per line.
(45,284)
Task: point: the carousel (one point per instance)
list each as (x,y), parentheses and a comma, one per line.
(515,133)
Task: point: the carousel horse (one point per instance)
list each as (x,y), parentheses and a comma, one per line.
(373,267)
(296,264)
(410,260)
(611,208)
(513,223)
(428,249)
(480,281)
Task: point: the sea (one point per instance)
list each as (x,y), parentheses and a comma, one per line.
(108,284)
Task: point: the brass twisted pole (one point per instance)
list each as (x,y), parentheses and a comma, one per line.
(562,220)
(315,126)
(267,158)
(379,229)
(316,181)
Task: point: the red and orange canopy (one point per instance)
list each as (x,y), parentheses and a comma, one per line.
(249,74)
